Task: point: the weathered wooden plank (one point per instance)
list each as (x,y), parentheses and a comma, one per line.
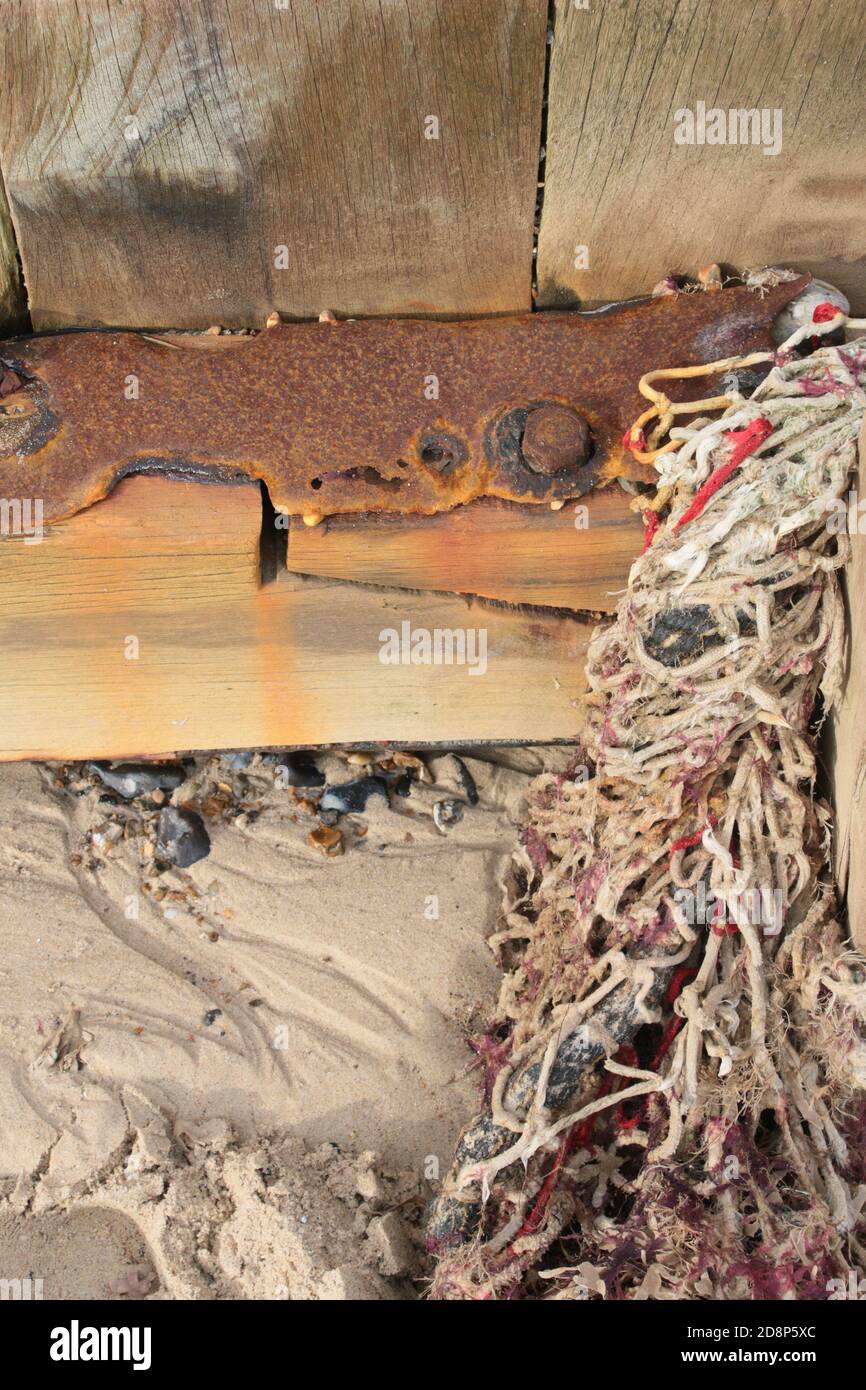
(618,185)
(140,626)
(575,558)
(11,292)
(847,747)
(180,165)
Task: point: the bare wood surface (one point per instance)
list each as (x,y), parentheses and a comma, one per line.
(617,184)
(157,157)
(847,746)
(576,558)
(11,294)
(223,661)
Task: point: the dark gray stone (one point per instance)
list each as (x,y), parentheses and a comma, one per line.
(352,796)
(137,779)
(181,837)
(300,770)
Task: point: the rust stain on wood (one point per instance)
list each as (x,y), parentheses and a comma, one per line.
(222,661)
(577,558)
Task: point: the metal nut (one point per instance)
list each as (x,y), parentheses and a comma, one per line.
(555,438)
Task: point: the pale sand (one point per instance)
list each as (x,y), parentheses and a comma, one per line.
(147,1150)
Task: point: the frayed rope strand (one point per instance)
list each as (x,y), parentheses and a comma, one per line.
(667,921)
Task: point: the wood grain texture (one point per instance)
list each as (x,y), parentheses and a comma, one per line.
(513,554)
(847,746)
(158,155)
(12,312)
(224,661)
(616,182)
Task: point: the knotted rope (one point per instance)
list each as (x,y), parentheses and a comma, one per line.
(676,1103)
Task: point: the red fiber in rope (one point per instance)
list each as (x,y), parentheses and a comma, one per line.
(678,980)
(650,526)
(745,442)
(580,1135)
(634,441)
(724,929)
(688,841)
(672,1027)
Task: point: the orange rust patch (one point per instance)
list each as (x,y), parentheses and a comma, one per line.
(336,418)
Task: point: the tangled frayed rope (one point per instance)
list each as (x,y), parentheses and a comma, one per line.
(677,1074)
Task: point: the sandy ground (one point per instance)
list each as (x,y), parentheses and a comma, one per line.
(239,1079)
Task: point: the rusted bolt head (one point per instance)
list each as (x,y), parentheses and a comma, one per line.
(555,438)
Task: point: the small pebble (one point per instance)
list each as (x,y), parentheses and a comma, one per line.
(241,759)
(106,836)
(327,839)
(137,779)
(181,838)
(352,796)
(446,814)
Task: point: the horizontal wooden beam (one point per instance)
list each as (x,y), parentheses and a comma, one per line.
(576,558)
(141,627)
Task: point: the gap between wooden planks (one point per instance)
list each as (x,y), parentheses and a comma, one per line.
(225,661)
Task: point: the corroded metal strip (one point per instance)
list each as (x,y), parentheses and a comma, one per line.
(411,416)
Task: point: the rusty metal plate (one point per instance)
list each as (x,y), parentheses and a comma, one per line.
(411,416)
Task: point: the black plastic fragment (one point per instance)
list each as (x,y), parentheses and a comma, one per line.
(467,781)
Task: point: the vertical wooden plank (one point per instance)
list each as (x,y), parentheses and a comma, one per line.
(847,746)
(159,156)
(12,312)
(618,184)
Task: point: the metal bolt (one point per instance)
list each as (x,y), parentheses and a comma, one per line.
(555,438)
